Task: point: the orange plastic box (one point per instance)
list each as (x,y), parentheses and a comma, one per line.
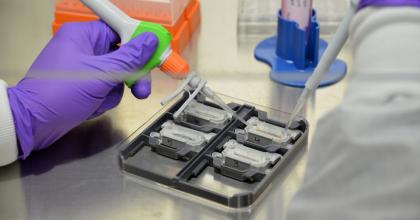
(180,17)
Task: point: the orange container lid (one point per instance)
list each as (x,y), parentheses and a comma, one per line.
(176,66)
(181,29)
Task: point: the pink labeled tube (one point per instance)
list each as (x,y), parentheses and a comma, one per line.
(297,10)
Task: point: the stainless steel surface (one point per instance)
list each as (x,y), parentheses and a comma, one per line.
(79,177)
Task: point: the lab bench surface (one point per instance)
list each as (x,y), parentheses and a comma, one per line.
(80,178)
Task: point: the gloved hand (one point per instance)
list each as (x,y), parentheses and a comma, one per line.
(367,3)
(78,76)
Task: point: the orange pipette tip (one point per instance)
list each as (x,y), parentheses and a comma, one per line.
(176,66)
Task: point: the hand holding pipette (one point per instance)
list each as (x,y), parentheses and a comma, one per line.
(169,61)
(128,28)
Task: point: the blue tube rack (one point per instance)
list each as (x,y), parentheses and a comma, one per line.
(294,54)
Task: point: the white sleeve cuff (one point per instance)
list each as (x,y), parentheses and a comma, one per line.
(8,142)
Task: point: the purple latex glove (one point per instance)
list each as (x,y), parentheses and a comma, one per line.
(77,76)
(367,3)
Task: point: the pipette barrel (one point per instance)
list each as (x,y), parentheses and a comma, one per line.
(114,17)
(297,10)
(327,59)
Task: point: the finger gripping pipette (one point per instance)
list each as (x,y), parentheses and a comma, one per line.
(128,28)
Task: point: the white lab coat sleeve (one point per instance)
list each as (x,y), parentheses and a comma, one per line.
(8,142)
(364,161)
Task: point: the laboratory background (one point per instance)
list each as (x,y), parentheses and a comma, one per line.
(240,92)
